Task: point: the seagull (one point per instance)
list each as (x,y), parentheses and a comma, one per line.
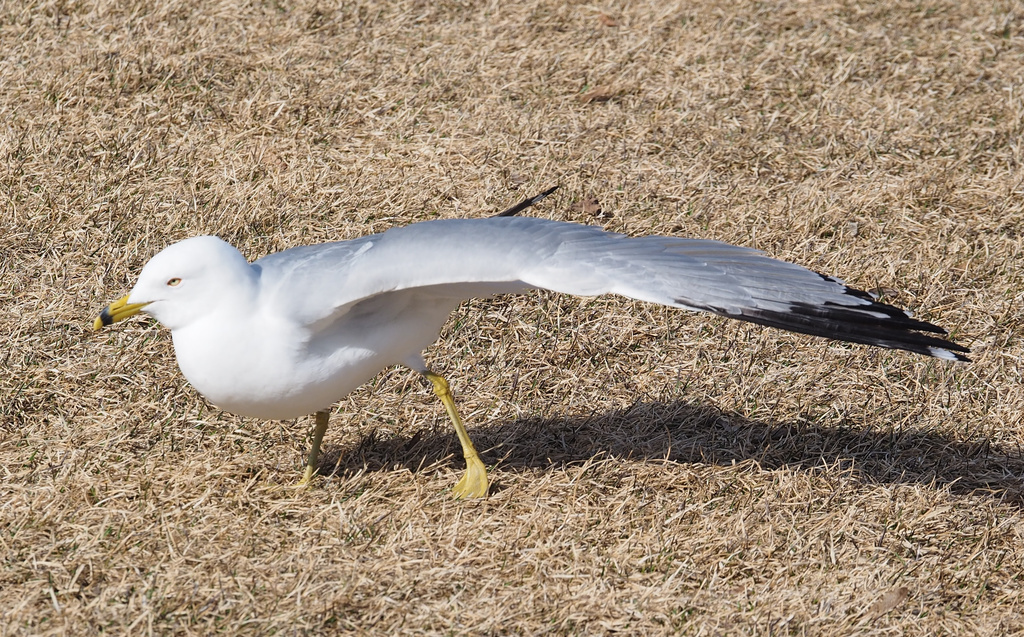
(294,332)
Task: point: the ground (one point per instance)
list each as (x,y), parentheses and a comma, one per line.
(655,471)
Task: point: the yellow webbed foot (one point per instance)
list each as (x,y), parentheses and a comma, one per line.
(474,482)
(307,478)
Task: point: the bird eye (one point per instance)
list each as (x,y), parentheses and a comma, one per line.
(173,282)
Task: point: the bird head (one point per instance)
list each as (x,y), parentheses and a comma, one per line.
(183,282)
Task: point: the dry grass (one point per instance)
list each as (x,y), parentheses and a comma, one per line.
(656,472)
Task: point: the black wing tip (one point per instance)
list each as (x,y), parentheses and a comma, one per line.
(848,324)
(526,203)
(868,322)
(901,316)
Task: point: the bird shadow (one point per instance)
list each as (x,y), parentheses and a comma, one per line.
(685,432)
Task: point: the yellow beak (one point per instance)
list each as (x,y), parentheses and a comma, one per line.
(117,311)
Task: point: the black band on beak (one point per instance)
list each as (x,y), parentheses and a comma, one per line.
(105,317)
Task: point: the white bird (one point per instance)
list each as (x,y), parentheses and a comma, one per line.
(294,332)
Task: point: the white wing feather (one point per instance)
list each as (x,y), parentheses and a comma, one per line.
(466,258)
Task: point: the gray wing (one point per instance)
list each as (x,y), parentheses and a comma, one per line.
(466,258)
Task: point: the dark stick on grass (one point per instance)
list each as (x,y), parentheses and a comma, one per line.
(526,203)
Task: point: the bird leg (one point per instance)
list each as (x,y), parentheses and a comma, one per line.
(322,418)
(474,483)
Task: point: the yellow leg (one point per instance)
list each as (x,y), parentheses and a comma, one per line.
(322,418)
(474,483)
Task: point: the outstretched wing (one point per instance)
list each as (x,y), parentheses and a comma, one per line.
(466,258)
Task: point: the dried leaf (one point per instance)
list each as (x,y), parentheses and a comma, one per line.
(600,94)
(590,206)
(891,599)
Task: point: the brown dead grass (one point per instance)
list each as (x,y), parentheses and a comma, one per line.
(656,472)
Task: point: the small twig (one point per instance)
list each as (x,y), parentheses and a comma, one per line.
(526,203)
